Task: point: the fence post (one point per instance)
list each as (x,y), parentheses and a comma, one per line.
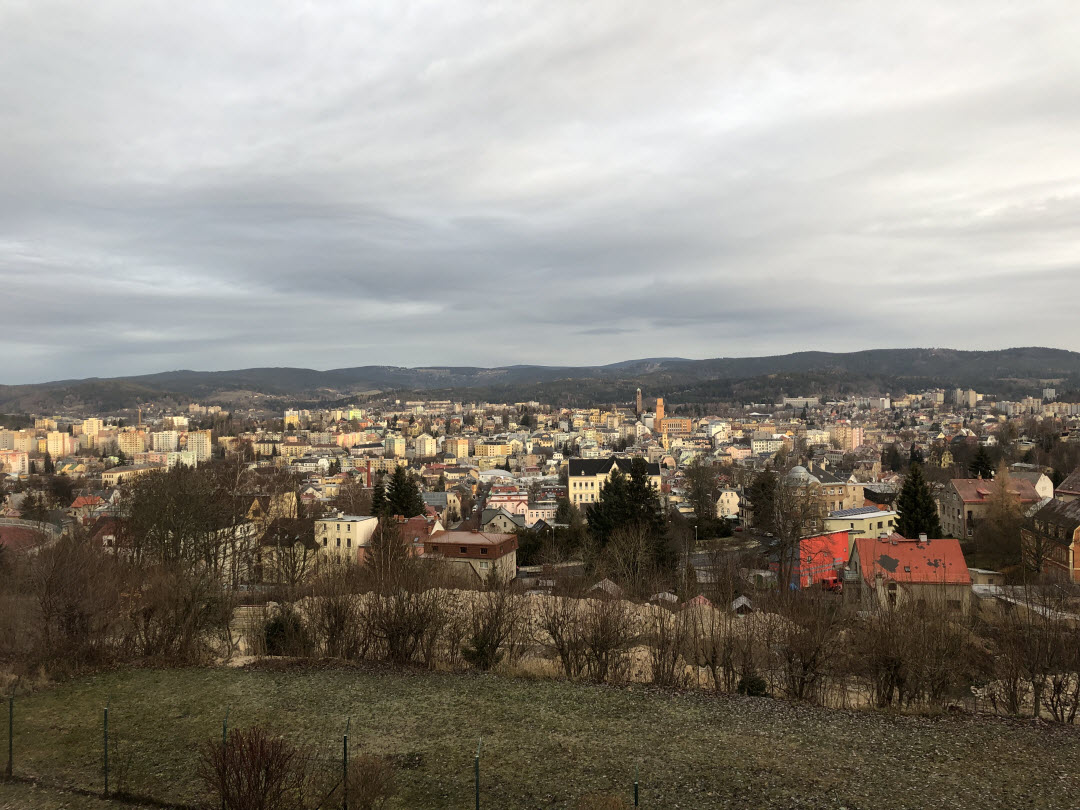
(345,767)
(476,772)
(635,786)
(106,728)
(224,753)
(11,736)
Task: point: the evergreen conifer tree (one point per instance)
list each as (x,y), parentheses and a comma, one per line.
(980,466)
(379,504)
(916,507)
(403,494)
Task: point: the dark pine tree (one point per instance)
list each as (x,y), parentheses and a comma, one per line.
(916,507)
(380,506)
(981,466)
(403,494)
(891,458)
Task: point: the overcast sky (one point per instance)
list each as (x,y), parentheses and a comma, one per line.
(223,185)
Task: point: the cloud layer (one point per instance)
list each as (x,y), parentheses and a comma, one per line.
(234,184)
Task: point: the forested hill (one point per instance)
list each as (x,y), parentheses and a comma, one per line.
(1012,372)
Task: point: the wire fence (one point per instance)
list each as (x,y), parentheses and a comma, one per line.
(337,796)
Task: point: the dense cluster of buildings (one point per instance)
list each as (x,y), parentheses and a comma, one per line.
(490,469)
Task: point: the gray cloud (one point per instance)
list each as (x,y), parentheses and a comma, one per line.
(433,183)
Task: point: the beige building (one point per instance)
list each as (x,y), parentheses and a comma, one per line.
(838,493)
(457,447)
(118,475)
(965,501)
(846,436)
(586,476)
(475,556)
(727,505)
(59,444)
(492,449)
(863,521)
(344,538)
(394,445)
(130,442)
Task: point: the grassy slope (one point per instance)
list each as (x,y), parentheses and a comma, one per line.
(546,742)
(18,796)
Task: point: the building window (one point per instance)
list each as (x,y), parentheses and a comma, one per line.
(464,550)
(484,565)
(483,551)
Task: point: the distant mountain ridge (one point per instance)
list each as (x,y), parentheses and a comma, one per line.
(747,378)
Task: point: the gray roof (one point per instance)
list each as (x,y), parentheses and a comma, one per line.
(600,466)
(858,511)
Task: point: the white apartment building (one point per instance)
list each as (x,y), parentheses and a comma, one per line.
(164,441)
(425,446)
(199,442)
(343,538)
(59,444)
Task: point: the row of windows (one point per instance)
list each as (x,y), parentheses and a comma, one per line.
(348,542)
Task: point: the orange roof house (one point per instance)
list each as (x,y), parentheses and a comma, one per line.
(894,569)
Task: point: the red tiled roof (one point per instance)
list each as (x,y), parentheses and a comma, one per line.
(18,538)
(471,538)
(977,490)
(86,500)
(934,561)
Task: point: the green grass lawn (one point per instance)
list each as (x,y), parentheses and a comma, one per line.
(546,742)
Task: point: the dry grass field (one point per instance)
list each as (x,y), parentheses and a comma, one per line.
(545,742)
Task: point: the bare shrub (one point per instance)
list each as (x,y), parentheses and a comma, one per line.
(372,782)
(712,645)
(607,632)
(803,642)
(668,639)
(1036,655)
(494,615)
(174,612)
(255,770)
(405,612)
(335,619)
(912,653)
(628,558)
(77,591)
(559,618)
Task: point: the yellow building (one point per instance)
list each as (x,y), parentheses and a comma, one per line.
(864,521)
(490,449)
(456,447)
(586,476)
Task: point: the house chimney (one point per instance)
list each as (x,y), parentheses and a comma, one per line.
(922,538)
